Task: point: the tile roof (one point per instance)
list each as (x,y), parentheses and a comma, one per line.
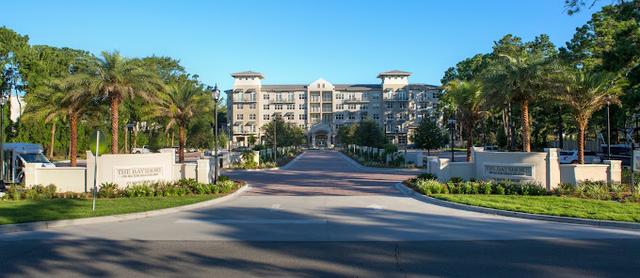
(247,74)
(394,73)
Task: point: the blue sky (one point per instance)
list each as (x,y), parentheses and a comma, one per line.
(344,41)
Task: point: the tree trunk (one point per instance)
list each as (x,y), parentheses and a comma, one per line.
(182,138)
(469,141)
(115,104)
(581,128)
(526,136)
(73,149)
(53,139)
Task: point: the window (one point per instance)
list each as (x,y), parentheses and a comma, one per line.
(339,96)
(302,106)
(364,107)
(376,106)
(352,106)
(239,106)
(252,106)
(363,115)
(389,105)
(339,116)
(302,96)
(339,106)
(289,116)
(265,96)
(389,116)
(240,117)
(265,107)
(302,117)
(278,106)
(291,106)
(376,116)
(265,117)
(252,116)
(403,105)
(352,116)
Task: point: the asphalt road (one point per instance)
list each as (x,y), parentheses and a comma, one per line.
(322,216)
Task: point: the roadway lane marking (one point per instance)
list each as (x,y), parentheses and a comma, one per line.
(375,206)
(251,221)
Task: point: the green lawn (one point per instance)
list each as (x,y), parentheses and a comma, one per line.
(552,205)
(56,209)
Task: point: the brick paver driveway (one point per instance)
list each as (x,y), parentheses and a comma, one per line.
(322,173)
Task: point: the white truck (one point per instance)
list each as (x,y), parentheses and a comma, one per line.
(16,155)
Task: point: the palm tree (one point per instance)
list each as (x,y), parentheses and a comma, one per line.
(586,92)
(179,105)
(77,101)
(518,75)
(117,78)
(468,101)
(45,104)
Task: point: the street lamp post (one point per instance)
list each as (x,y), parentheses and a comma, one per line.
(3,101)
(275,141)
(215,94)
(608,128)
(452,125)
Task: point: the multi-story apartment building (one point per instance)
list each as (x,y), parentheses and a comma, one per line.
(320,108)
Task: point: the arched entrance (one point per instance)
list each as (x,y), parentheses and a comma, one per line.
(321,136)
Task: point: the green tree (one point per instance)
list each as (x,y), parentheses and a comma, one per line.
(517,74)
(116,79)
(179,105)
(586,92)
(368,133)
(287,134)
(347,133)
(429,135)
(467,99)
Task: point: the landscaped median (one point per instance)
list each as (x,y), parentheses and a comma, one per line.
(41,203)
(588,200)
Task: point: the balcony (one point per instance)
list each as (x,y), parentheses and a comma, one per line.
(244,99)
(282,101)
(356,100)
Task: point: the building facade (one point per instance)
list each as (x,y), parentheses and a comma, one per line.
(321,108)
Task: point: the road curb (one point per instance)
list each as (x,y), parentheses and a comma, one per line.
(571,220)
(44,225)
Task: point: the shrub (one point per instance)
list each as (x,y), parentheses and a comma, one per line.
(428,187)
(139,190)
(15,192)
(223,178)
(593,189)
(498,189)
(485,187)
(225,186)
(456,180)
(453,188)
(618,190)
(532,189)
(427,176)
(38,192)
(466,188)
(565,189)
(108,190)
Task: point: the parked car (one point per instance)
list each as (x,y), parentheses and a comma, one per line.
(569,157)
(144,149)
(490,148)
